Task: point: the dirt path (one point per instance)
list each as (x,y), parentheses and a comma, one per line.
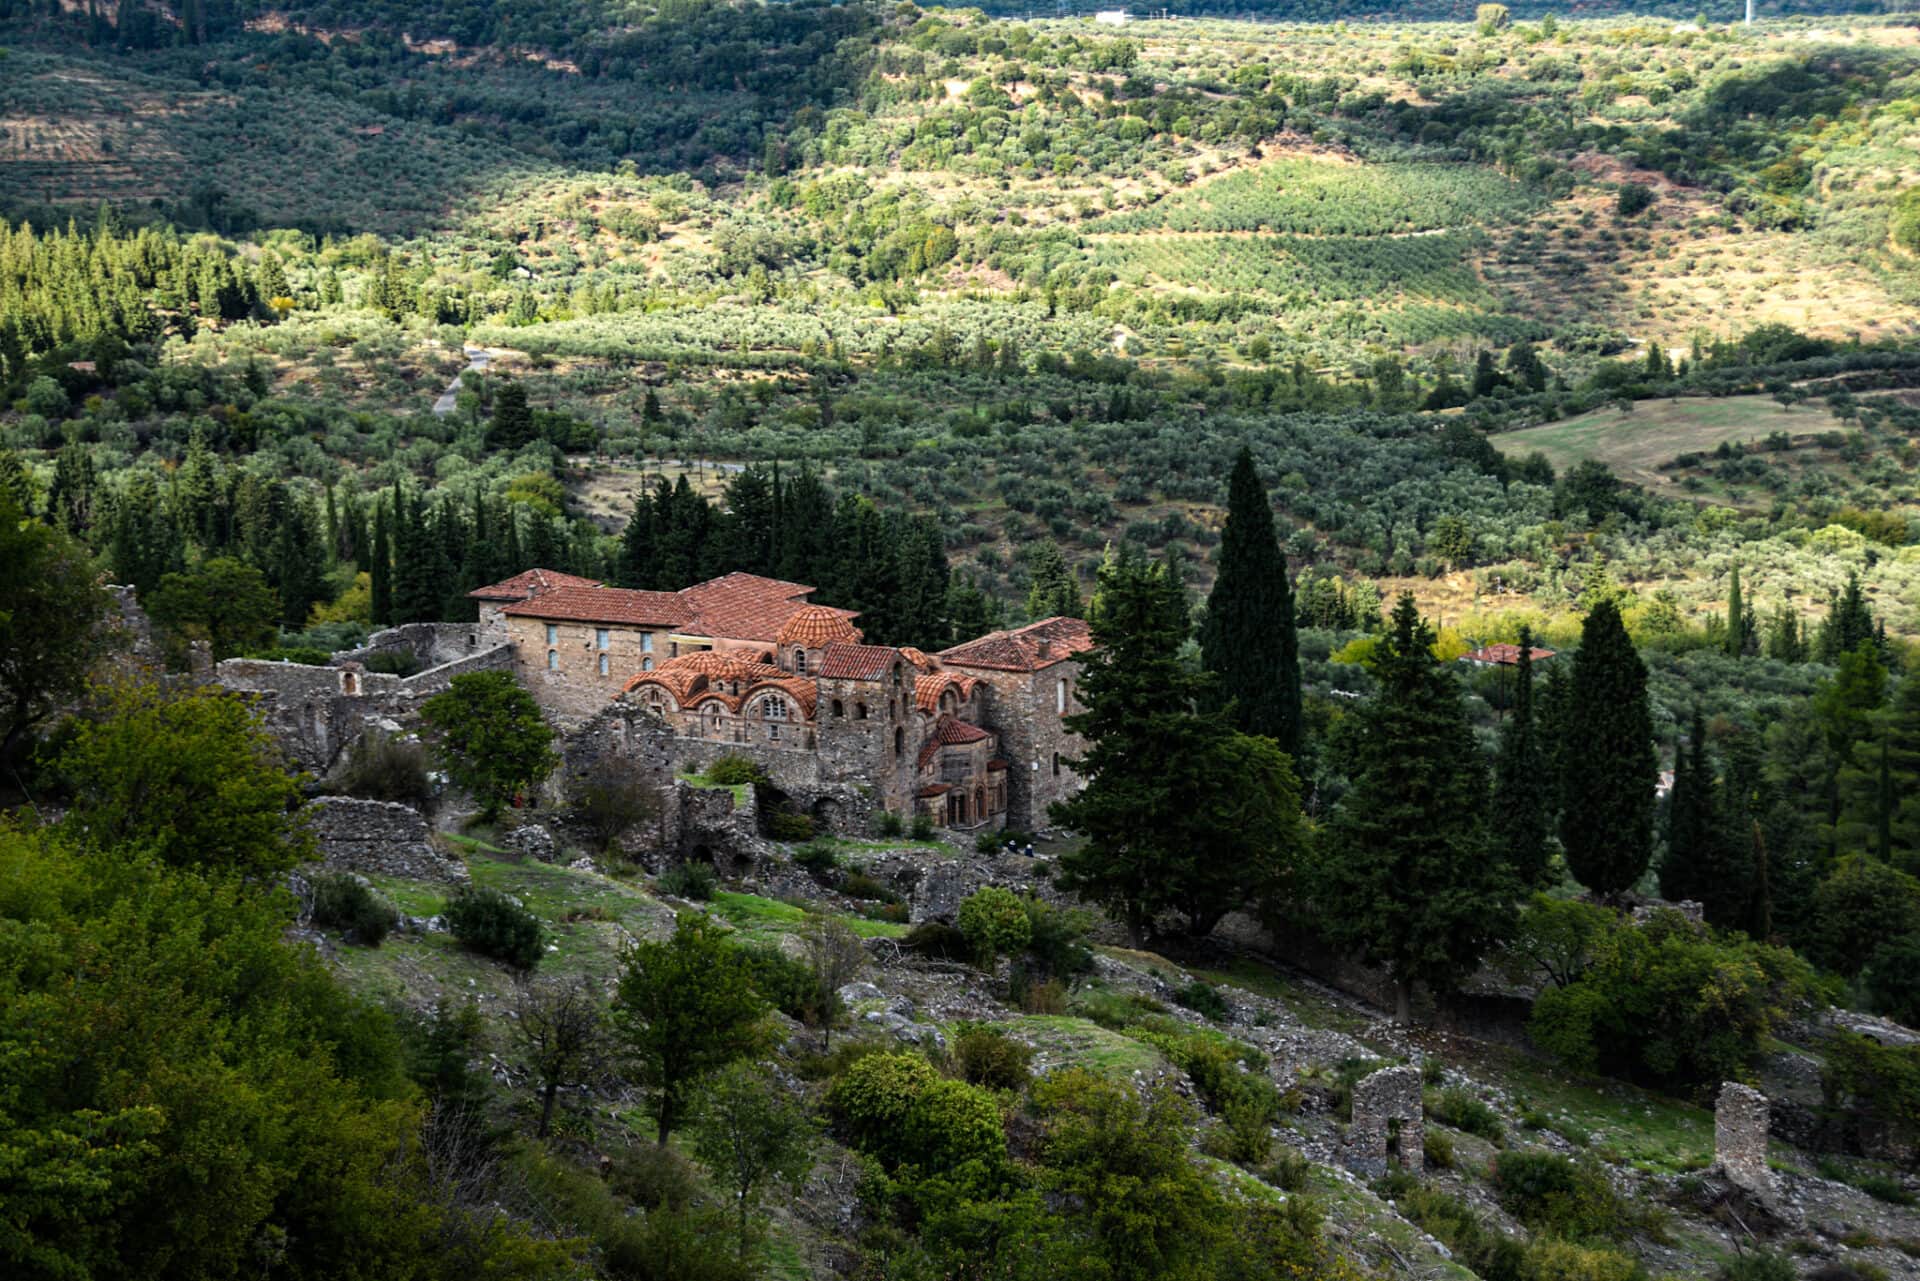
(477,358)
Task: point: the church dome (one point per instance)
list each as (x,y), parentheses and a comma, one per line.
(816,627)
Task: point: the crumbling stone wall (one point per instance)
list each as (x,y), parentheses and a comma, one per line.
(1740,1117)
(431,644)
(379,837)
(1388,1121)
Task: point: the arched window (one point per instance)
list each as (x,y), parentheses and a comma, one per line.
(837,709)
(859,711)
(800,661)
(603,665)
(896,673)
(553,660)
(646,664)
(773,707)
(1060,696)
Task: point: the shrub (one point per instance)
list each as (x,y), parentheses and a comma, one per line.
(380,767)
(1202,999)
(872,1099)
(995,923)
(1116,1011)
(1490,1253)
(690,880)
(1549,1193)
(610,798)
(937,941)
(950,1124)
(733,771)
(860,885)
(1461,1110)
(887,823)
(652,1176)
(787,984)
(817,857)
(494,925)
(1758,1265)
(1551,1260)
(987,1056)
(1057,942)
(1049,997)
(346,903)
(922,828)
(1882,1188)
(1439,1149)
(785,826)
(393,662)
(1288,1171)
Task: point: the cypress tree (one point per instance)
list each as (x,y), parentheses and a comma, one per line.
(511,426)
(1607,790)
(1523,790)
(1688,870)
(1739,625)
(1052,588)
(637,562)
(1248,638)
(380,572)
(1404,871)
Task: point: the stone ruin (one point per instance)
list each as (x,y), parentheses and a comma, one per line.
(1740,1117)
(1389,1125)
(380,838)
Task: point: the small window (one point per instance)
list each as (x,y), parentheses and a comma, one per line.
(553,660)
(773,733)
(602,638)
(646,664)
(1056,765)
(603,664)
(646,642)
(800,661)
(859,711)
(899,741)
(553,633)
(1060,696)
(837,709)
(896,673)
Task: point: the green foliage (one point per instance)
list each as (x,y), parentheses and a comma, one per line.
(491,737)
(871,1100)
(689,880)
(1550,1193)
(937,941)
(1555,938)
(1463,1111)
(610,799)
(1665,1003)
(1404,871)
(1523,791)
(790,827)
(732,771)
(1862,903)
(1180,812)
(1606,816)
(1248,640)
(380,767)
(1758,1265)
(494,925)
(748,1131)
(686,1008)
(786,984)
(191,777)
(995,923)
(1202,998)
(817,857)
(347,903)
(986,1056)
(225,603)
(1870,1088)
(47,625)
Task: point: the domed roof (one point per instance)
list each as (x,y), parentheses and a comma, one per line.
(816,627)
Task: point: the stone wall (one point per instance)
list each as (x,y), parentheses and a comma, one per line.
(379,838)
(1389,1124)
(430,643)
(1740,1120)
(564,674)
(434,680)
(1023,708)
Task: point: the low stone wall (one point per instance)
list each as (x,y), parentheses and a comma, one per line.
(431,643)
(379,838)
(436,679)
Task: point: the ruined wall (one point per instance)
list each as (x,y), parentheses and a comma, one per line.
(430,643)
(378,838)
(1389,1123)
(1740,1121)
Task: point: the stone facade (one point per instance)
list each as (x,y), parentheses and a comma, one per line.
(1740,1122)
(378,838)
(1389,1123)
(973,739)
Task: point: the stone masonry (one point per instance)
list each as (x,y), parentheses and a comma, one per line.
(380,838)
(1389,1126)
(1740,1117)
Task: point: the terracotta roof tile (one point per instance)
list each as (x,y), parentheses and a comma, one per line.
(933,790)
(928,689)
(529,583)
(604,605)
(1026,649)
(918,658)
(949,732)
(1503,654)
(857,662)
(747,606)
(816,626)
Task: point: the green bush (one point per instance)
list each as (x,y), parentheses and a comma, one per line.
(922,828)
(1289,1170)
(995,923)
(494,925)
(985,1055)
(787,984)
(393,662)
(1758,1265)
(1202,999)
(1116,1011)
(1461,1110)
(689,880)
(951,1124)
(345,903)
(784,826)
(1552,1260)
(870,1101)
(1439,1149)
(380,767)
(1490,1253)
(652,1176)
(818,857)
(1549,1193)
(733,771)
(860,885)
(1882,1188)
(937,941)
(1056,945)
(887,823)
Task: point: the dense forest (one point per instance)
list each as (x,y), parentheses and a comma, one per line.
(1303,357)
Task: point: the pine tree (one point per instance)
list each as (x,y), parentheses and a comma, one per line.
(511,426)
(1607,790)
(1181,814)
(1405,871)
(1052,587)
(1248,639)
(1523,787)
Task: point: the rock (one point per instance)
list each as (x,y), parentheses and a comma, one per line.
(531,840)
(854,993)
(937,895)
(380,837)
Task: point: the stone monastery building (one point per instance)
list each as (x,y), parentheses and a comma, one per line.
(972,737)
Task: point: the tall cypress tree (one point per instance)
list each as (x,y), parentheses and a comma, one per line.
(1607,790)
(1523,787)
(1404,871)
(1693,840)
(1248,638)
(1739,625)
(380,572)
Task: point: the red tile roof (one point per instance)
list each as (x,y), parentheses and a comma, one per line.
(529,583)
(950,732)
(747,606)
(1026,649)
(1503,654)
(928,689)
(605,605)
(934,789)
(816,626)
(857,662)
